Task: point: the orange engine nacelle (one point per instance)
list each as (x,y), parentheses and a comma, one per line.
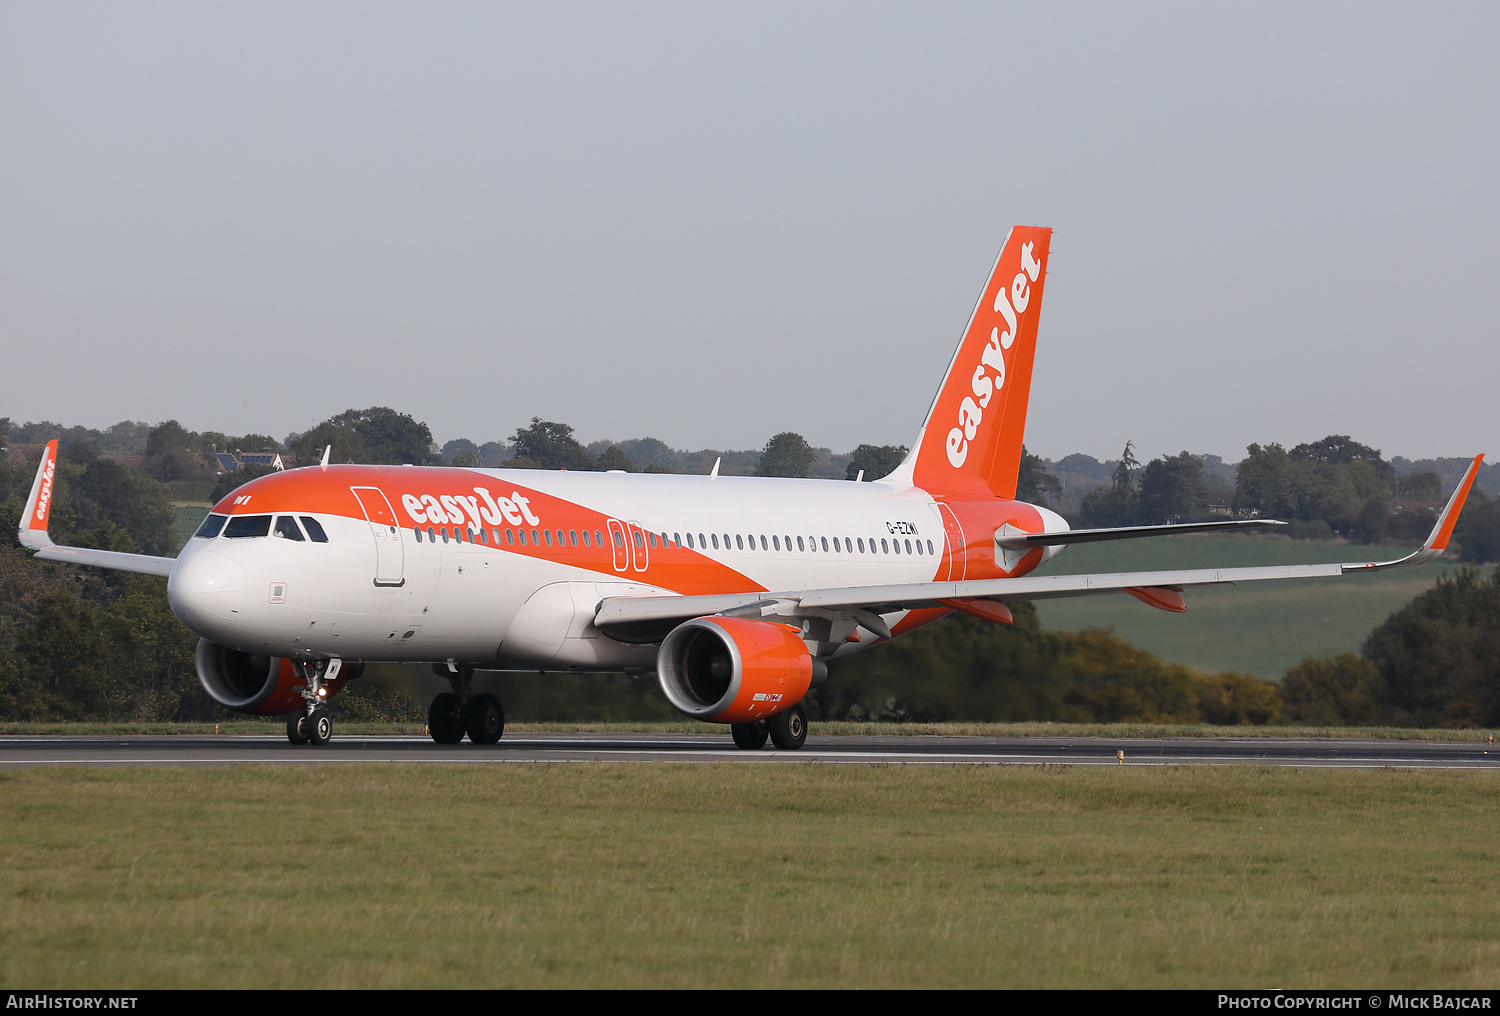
(734,669)
(264,685)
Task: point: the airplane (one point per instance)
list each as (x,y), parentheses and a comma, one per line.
(736,591)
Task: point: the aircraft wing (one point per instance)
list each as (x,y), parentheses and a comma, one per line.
(32,531)
(636,617)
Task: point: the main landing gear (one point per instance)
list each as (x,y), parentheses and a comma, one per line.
(787,730)
(312,724)
(459,712)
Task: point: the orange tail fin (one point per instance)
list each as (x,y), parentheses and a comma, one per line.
(971,442)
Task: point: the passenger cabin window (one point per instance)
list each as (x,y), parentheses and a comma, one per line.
(211,526)
(598,538)
(315,529)
(286,528)
(243,527)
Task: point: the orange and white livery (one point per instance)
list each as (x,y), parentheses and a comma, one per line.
(735,591)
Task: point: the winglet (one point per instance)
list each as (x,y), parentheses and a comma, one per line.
(32,532)
(1438,538)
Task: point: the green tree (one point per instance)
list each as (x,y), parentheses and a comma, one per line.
(1420,485)
(1272,484)
(1114,505)
(1034,484)
(647,452)
(1439,656)
(1172,490)
(175,453)
(1370,526)
(376,435)
(875,460)
(1337,690)
(786,454)
(613,458)
(252,443)
(1341,450)
(549,445)
(342,443)
(1478,528)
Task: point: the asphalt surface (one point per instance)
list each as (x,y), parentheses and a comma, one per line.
(711,747)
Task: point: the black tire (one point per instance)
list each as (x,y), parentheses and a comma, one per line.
(789,728)
(296,728)
(749,736)
(443,721)
(319,727)
(485,719)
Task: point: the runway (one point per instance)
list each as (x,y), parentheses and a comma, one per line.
(130,750)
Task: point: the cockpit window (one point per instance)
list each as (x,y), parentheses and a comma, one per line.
(211,526)
(286,528)
(314,529)
(243,526)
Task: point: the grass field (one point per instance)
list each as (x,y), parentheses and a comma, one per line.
(188,517)
(1259,628)
(731,876)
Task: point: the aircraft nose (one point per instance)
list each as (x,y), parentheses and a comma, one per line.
(206,589)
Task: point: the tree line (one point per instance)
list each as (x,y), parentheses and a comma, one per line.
(80,644)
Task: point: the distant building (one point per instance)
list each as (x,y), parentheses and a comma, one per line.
(229,462)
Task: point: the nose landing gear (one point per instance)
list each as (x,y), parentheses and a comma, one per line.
(312,724)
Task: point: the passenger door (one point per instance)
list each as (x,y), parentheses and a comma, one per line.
(390,559)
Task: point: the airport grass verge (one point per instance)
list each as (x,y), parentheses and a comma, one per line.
(686,875)
(839,728)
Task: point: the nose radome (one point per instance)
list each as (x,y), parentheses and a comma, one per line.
(206,587)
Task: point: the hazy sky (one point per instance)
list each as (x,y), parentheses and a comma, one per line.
(709,223)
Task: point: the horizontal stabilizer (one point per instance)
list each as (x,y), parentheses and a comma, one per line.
(1025,541)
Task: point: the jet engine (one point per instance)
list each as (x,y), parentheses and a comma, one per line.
(735,670)
(264,685)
